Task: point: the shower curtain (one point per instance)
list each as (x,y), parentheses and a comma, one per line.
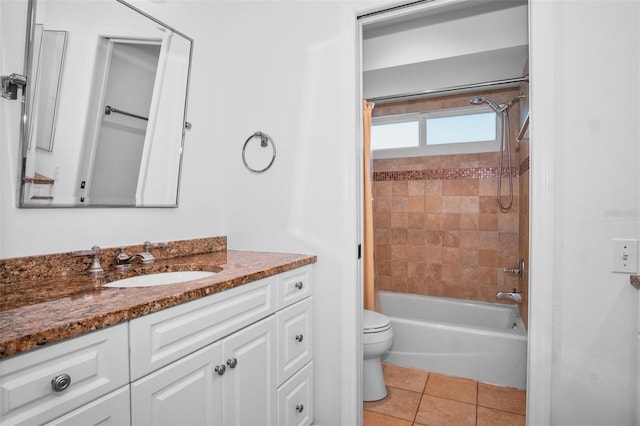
(369,270)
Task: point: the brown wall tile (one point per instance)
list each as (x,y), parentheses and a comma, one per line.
(438,228)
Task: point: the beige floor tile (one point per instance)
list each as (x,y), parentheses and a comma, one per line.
(504,399)
(436,411)
(371,418)
(463,390)
(491,417)
(405,378)
(398,403)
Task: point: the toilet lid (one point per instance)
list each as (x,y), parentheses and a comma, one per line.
(374,322)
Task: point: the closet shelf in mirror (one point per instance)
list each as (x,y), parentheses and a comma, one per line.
(39,179)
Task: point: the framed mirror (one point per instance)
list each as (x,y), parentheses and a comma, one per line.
(104,111)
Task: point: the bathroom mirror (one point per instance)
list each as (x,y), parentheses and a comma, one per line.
(104,106)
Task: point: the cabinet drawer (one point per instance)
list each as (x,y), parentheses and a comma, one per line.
(295,399)
(97,363)
(293,286)
(160,338)
(295,339)
(112,409)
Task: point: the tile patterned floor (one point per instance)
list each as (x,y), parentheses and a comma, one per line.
(419,398)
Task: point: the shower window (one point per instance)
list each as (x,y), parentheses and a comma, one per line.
(454,131)
(403,132)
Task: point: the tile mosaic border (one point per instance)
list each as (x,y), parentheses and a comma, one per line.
(444,174)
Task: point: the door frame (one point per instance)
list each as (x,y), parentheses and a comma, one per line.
(96,107)
(541,221)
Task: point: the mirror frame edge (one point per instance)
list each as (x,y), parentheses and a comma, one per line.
(22,152)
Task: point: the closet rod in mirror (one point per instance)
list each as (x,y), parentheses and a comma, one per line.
(109,109)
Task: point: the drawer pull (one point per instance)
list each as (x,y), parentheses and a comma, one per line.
(232,362)
(299,337)
(61,382)
(220,369)
(299,408)
(299,285)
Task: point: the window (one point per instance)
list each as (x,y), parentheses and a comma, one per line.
(401,134)
(455,131)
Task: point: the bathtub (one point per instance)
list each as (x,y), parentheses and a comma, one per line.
(482,341)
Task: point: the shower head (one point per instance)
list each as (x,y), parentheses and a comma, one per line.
(480,99)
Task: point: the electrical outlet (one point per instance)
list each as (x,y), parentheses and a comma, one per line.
(625,255)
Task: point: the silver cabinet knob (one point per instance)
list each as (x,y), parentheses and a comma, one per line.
(232,362)
(220,369)
(299,285)
(61,382)
(299,408)
(299,337)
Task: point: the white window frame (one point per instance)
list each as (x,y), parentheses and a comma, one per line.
(441,149)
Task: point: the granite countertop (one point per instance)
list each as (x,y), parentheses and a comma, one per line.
(37,312)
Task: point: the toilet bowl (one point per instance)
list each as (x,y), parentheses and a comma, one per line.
(377,338)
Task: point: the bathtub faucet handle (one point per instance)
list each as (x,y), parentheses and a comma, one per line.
(519,270)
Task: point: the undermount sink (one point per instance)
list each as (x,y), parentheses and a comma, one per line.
(161,278)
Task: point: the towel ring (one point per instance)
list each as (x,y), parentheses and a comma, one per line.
(265,140)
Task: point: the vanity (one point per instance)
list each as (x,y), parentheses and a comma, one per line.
(233,348)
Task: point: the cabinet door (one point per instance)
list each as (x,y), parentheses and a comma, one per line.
(186,392)
(112,409)
(295,339)
(295,399)
(249,385)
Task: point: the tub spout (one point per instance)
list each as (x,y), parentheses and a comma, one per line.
(516,297)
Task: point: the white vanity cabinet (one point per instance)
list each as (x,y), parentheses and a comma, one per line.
(251,364)
(42,385)
(242,356)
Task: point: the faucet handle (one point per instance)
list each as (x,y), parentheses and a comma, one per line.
(90,252)
(122,255)
(95,267)
(149,245)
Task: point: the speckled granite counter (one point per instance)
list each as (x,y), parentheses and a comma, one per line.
(36,312)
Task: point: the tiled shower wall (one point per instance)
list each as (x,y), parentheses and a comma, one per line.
(437,226)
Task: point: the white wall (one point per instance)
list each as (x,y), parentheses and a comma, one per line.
(584,159)
(467,35)
(295,65)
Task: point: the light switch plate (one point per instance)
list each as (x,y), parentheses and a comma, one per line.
(625,255)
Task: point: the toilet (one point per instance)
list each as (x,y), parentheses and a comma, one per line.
(377,338)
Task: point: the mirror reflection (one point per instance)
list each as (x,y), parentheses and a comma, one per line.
(104,105)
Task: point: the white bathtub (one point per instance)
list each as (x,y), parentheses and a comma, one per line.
(475,340)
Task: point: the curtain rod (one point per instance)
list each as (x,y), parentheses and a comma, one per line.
(425,93)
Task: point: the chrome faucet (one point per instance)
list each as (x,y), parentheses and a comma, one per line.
(95,267)
(124,261)
(516,297)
